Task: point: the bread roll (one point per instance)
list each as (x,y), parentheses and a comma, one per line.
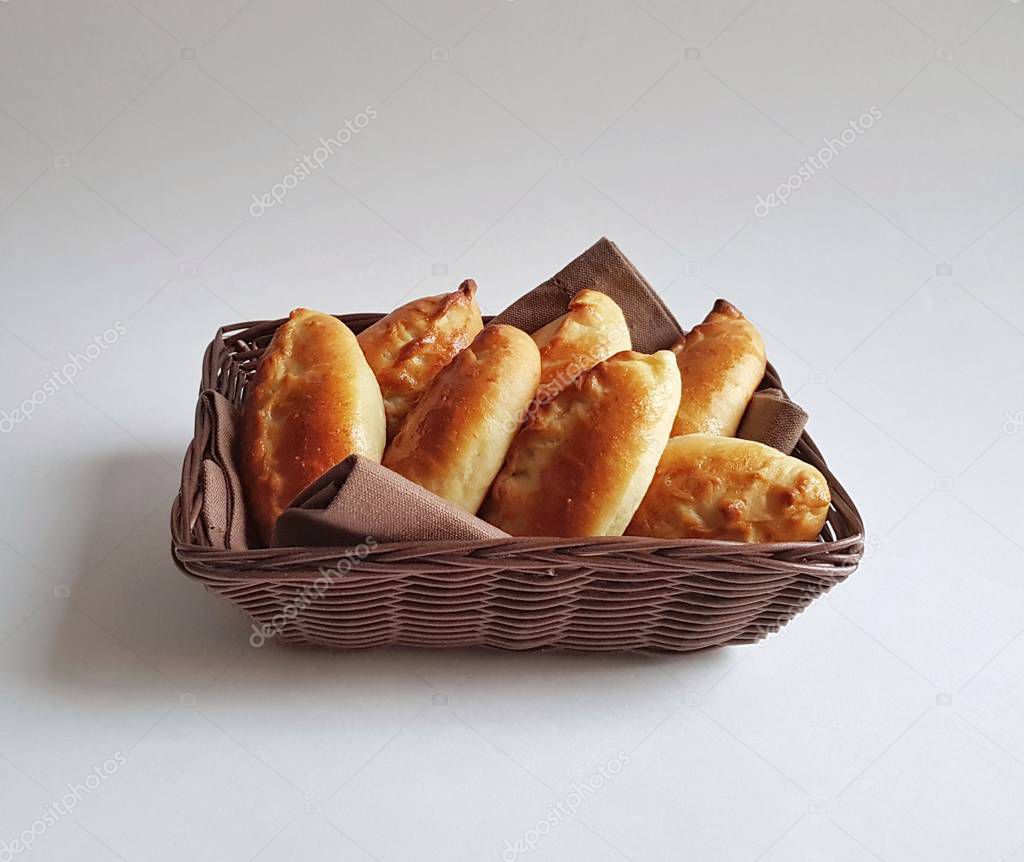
(312,402)
(711,487)
(582,463)
(591,331)
(722,362)
(454,440)
(408,348)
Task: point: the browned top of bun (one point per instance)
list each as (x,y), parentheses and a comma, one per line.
(722,362)
(312,402)
(456,437)
(582,463)
(712,487)
(593,329)
(410,346)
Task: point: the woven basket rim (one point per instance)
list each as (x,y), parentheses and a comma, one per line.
(549,543)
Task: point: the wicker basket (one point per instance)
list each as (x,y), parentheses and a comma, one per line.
(611,594)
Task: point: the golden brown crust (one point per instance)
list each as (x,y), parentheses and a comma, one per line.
(592,330)
(582,463)
(312,402)
(409,347)
(722,362)
(711,487)
(455,439)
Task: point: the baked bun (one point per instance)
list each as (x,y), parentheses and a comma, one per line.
(408,348)
(454,440)
(581,465)
(722,362)
(591,331)
(312,402)
(711,487)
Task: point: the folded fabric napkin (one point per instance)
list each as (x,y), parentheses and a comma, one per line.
(604,268)
(223,511)
(359,499)
(774,420)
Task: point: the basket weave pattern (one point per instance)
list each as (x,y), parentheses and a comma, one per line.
(610,594)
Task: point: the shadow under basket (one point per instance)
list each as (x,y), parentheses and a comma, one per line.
(602,594)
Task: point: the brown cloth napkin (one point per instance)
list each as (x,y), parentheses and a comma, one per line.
(359,499)
(223,511)
(601,267)
(774,420)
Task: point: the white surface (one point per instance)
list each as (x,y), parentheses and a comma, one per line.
(882,724)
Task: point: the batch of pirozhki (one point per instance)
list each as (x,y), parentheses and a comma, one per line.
(562,432)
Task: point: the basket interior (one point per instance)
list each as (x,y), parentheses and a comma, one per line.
(232,359)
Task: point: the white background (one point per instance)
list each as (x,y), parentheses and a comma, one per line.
(883,724)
